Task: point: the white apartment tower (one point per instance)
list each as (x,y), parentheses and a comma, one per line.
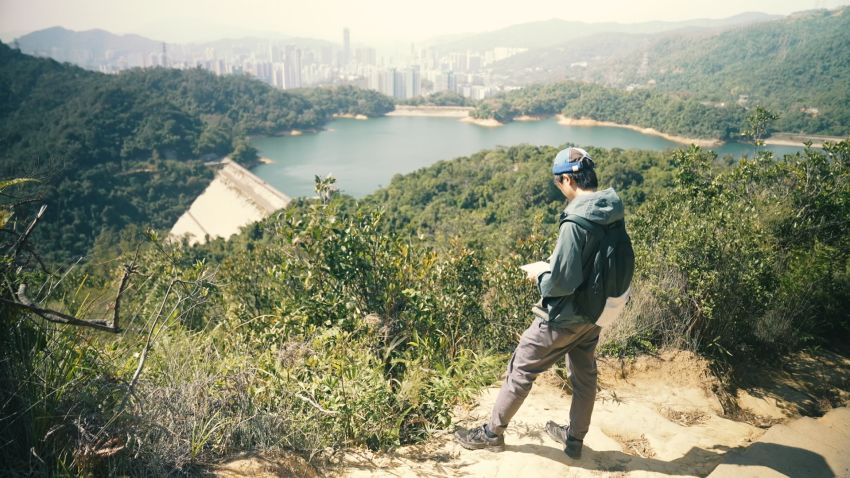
(346,47)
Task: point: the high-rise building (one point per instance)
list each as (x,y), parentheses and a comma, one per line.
(292,71)
(365,56)
(473,62)
(458,62)
(388,82)
(398,84)
(346,46)
(274,53)
(375,80)
(279,75)
(446,82)
(412,82)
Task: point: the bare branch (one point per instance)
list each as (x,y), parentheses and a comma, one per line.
(55,316)
(23,238)
(122,286)
(29,249)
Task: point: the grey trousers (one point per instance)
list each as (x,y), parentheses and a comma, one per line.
(539,348)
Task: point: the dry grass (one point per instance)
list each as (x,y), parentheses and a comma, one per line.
(636,446)
(686,418)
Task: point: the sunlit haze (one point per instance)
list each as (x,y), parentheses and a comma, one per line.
(376,21)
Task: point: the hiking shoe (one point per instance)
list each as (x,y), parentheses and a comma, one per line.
(477,439)
(572,446)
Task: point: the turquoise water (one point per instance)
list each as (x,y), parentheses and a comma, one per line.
(365,155)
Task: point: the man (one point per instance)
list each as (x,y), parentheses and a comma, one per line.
(558,328)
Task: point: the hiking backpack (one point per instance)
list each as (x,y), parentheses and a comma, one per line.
(608,272)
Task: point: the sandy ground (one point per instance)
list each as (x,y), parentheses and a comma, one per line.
(706,143)
(654,416)
(489,122)
(790,139)
(810,447)
(528,118)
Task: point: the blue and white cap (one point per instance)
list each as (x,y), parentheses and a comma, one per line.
(571,160)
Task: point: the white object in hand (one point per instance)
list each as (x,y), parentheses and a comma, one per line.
(536,268)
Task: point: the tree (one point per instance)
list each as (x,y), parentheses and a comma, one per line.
(758,124)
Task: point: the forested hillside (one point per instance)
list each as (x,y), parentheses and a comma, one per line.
(500,197)
(735,258)
(797,66)
(674,114)
(341,323)
(113,150)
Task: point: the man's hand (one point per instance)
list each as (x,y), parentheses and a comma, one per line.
(535,269)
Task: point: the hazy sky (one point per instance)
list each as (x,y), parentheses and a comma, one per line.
(369,20)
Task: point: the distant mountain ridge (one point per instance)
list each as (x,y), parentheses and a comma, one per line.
(557,31)
(85,47)
(92,48)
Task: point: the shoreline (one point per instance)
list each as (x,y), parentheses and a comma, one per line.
(529,118)
(285,132)
(431,111)
(705,143)
(488,122)
(358,117)
(792,139)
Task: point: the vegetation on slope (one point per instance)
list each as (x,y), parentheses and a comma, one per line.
(335,324)
(340,323)
(796,66)
(111,151)
(672,114)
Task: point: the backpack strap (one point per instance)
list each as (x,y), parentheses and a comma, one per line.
(595,229)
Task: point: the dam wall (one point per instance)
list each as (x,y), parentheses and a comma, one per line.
(234,199)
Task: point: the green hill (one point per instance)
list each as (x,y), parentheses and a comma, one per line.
(349,324)
(113,150)
(798,66)
(669,113)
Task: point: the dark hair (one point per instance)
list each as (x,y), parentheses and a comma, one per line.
(585,177)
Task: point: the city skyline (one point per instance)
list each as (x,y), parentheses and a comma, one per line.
(378,22)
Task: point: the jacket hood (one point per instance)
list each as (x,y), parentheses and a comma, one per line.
(602,207)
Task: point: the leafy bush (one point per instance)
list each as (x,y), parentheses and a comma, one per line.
(746,261)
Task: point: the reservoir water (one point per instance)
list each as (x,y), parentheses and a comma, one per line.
(365,155)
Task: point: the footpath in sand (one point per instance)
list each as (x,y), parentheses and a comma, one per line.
(655,416)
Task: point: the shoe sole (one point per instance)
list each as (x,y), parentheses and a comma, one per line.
(493,448)
(558,439)
(555,437)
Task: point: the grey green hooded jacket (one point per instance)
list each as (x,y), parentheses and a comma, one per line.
(557,286)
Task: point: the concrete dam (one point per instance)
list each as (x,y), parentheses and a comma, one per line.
(235,198)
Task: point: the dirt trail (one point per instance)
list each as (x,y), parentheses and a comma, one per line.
(655,416)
